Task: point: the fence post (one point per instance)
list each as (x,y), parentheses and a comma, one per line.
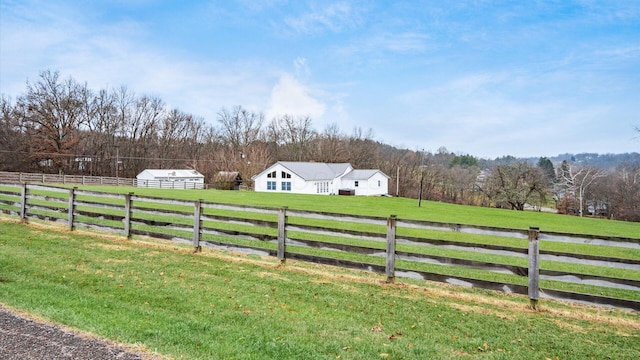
(391,248)
(282,234)
(23,203)
(72,201)
(534,269)
(196,226)
(127,215)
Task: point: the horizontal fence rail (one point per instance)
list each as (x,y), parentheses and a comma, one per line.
(392,246)
(19,178)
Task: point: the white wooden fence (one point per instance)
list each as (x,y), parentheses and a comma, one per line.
(32,178)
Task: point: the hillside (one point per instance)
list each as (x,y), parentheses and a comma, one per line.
(601,161)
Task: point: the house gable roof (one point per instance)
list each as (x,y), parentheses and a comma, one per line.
(340,168)
(312,170)
(362,174)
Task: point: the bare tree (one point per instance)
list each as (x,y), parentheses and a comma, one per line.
(142,121)
(626,194)
(576,180)
(362,149)
(330,145)
(174,134)
(53,111)
(434,179)
(603,194)
(515,185)
(211,145)
(12,138)
(462,184)
(97,135)
(295,135)
(398,165)
(240,127)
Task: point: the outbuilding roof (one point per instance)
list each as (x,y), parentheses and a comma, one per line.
(171,173)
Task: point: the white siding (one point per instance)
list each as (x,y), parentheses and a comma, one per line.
(170,179)
(373,182)
(298,185)
(378,184)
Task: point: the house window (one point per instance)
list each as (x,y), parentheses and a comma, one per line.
(286,175)
(356,183)
(271,185)
(286,186)
(271,175)
(379,183)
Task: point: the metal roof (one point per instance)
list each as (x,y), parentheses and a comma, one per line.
(362,174)
(315,170)
(171,173)
(323,171)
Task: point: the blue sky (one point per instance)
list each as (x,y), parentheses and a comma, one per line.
(488,78)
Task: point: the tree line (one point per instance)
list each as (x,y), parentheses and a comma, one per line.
(61,126)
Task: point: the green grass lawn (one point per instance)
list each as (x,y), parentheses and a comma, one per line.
(222,305)
(402,207)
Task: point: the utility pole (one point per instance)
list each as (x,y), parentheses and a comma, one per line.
(117,165)
(398,181)
(421,179)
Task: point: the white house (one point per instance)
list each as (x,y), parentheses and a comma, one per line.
(170,179)
(321,178)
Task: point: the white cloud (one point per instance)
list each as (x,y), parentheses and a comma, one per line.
(291,97)
(395,43)
(301,67)
(490,114)
(333,17)
(405,42)
(115,54)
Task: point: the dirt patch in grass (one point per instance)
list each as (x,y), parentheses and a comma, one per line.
(272,275)
(483,311)
(104,246)
(568,326)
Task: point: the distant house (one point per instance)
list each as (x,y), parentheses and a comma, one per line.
(170,179)
(227,180)
(321,178)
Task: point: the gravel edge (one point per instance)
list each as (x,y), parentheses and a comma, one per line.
(23,337)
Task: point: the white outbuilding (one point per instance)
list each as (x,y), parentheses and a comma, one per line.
(321,178)
(170,179)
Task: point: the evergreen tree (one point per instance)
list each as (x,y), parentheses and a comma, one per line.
(547,169)
(464,161)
